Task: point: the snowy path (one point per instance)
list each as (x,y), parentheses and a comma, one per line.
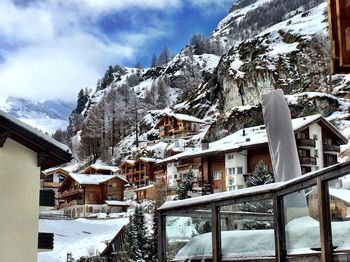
(81,236)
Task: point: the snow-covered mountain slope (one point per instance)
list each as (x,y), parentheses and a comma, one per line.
(47,116)
(271,44)
(291,55)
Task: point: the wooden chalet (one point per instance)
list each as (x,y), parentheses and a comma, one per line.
(139,173)
(52,179)
(83,194)
(24,152)
(178,125)
(339,32)
(146,192)
(227,163)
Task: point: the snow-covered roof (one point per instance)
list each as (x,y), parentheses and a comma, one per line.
(116,203)
(342,194)
(243,139)
(144,188)
(148,159)
(34,131)
(54,169)
(85,179)
(97,167)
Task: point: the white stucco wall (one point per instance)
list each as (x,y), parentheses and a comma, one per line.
(171,171)
(19,208)
(315,129)
(239,160)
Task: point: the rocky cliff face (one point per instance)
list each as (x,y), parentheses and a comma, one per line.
(291,55)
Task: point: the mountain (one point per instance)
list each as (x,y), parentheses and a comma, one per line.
(48,115)
(259,46)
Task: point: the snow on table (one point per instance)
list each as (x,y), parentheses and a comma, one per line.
(80,236)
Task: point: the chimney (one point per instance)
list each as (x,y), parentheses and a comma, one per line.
(205,144)
(243,132)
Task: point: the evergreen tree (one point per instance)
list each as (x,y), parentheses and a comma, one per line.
(185,185)
(152,240)
(139,222)
(261,175)
(164,57)
(154,61)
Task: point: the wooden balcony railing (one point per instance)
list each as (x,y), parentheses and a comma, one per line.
(308,161)
(306,142)
(328,148)
(51,184)
(71,192)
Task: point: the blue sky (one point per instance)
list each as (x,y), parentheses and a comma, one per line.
(52,48)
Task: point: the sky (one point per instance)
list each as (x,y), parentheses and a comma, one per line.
(50,49)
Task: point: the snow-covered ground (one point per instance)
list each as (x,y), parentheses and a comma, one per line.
(81,237)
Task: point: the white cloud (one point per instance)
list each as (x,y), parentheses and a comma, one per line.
(59,50)
(59,69)
(212,6)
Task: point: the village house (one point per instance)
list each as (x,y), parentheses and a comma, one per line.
(24,152)
(227,163)
(178,125)
(52,179)
(139,173)
(83,194)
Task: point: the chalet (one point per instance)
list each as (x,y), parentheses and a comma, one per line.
(228,162)
(24,152)
(146,192)
(101,169)
(139,173)
(52,179)
(83,195)
(179,125)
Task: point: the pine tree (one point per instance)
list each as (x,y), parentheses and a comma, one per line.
(139,222)
(185,185)
(152,240)
(261,175)
(164,57)
(154,61)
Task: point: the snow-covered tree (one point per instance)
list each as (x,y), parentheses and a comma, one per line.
(185,185)
(261,175)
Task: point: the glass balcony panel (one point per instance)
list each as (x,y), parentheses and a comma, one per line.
(301,218)
(247,230)
(339,205)
(189,236)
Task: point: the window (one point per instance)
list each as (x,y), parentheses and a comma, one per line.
(175,176)
(230,188)
(231,171)
(114,185)
(239,170)
(216,175)
(315,137)
(230,156)
(316,153)
(240,186)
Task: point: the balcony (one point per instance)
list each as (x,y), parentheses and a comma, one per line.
(70,203)
(307,161)
(331,149)
(51,184)
(71,192)
(306,142)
